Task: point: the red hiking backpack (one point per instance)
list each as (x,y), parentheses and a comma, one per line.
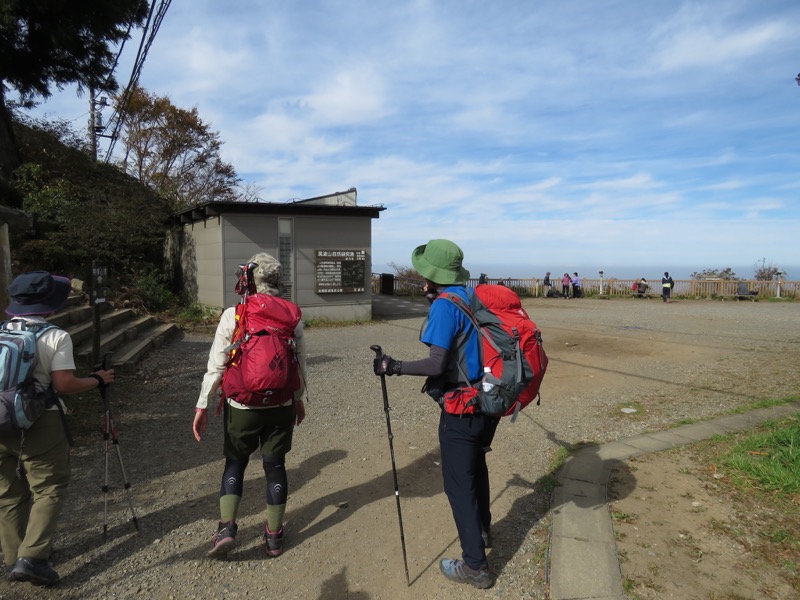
(511,351)
(263,369)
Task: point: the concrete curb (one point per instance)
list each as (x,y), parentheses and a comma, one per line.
(583,552)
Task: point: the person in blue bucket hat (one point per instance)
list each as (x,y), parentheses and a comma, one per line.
(35,469)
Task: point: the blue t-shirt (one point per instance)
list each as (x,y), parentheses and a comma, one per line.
(445,322)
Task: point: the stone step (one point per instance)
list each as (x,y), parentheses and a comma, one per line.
(110,320)
(127,356)
(124,333)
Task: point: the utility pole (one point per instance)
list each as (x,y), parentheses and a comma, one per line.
(92,132)
(95,120)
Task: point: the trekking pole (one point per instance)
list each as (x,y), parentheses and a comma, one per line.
(110,435)
(379,352)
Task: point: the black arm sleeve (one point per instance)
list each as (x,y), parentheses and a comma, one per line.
(435,364)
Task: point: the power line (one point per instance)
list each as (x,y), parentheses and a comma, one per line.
(154,19)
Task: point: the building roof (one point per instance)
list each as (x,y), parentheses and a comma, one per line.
(338,204)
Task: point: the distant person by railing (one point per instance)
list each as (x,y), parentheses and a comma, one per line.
(684,288)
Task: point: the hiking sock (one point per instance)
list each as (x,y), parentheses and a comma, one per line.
(275,513)
(229,507)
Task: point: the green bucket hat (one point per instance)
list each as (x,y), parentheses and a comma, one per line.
(440,261)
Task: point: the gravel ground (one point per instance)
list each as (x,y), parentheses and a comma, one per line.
(685,360)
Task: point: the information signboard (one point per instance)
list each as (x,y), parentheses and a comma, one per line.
(341,271)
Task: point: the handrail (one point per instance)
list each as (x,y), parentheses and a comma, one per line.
(687,288)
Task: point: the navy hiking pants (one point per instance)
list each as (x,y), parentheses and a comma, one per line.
(464,441)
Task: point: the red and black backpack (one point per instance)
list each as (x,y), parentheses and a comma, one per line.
(262,369)
(511,350)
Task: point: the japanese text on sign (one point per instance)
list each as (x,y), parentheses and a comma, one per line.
(341,271)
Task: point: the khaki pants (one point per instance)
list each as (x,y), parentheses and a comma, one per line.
(30,507)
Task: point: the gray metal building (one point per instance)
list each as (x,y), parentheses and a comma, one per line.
(324,244)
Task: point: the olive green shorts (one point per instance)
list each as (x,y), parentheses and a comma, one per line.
(268,428)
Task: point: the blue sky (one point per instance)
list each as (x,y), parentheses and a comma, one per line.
(554,135)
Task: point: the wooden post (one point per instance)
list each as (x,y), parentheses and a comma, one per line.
(18,220)
(5,268)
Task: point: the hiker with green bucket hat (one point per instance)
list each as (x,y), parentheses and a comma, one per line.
(464,439)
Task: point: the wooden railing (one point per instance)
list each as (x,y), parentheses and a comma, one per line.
(687,288)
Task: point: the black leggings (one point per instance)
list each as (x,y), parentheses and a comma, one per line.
(274,470)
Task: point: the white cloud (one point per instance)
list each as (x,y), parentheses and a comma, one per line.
(567,128)
(700,36)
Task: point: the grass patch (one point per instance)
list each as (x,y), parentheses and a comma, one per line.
(768,460)
(760,472)
(623,517)
(765,404)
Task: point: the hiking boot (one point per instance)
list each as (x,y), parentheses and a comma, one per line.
(36,570)
(461,572)
(274,541)
(224,540)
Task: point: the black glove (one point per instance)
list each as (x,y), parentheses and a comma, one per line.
(386,365)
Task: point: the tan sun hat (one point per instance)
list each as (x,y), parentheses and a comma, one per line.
(267,275)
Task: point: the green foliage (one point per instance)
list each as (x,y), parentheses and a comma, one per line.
(83,211)
(45,43)
(725,274)
(149,288)
(192,312)
(769,459)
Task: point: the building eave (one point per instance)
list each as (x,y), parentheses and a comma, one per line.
(209,210)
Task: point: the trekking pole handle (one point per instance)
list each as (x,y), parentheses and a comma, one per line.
(108,363)
(379,353)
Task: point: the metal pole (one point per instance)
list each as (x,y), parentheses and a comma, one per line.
(92,124)
(379,353)
(110,437)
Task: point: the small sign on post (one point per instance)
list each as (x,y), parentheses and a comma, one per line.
(98,293)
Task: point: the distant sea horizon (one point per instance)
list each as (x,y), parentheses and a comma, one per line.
(519,271)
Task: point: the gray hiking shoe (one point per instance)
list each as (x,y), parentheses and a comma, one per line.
(36,570)
(274,541)
(458,571)
(224,540)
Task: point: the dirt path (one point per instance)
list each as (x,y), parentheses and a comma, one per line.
(686,360)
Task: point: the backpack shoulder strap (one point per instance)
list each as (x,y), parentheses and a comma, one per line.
(461,342)
(462,305)
(37,328)
(239,319)
(40,328)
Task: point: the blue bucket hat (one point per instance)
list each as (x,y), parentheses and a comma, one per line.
(37,293)
(440,262)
